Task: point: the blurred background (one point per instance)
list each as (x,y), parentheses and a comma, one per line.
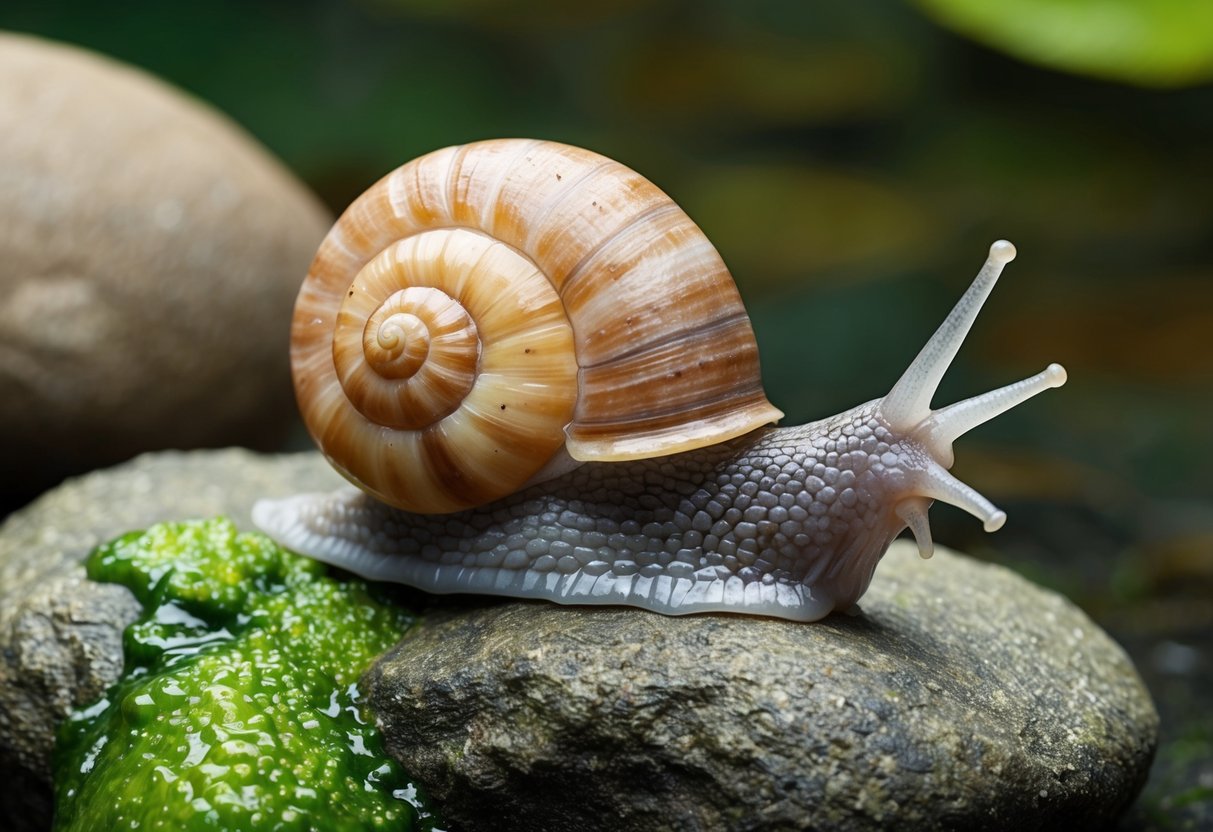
(852,162)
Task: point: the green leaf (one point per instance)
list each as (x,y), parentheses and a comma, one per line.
(1162,43)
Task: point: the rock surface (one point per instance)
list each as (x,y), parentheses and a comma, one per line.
(963,697)
(60,634)
(150,252)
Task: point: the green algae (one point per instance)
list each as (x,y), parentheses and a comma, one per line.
(239,706)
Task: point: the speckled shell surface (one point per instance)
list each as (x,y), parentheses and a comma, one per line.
(484,305)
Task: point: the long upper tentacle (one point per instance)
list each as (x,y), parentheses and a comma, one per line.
(909,402)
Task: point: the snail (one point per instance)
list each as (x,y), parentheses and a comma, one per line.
(541,376)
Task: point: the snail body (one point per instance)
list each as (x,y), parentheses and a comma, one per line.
(541,376)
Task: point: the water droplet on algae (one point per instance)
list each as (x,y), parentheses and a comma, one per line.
(334,708)
(358,744)
(90,759)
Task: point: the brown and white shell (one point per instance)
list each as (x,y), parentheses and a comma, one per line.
(485,305)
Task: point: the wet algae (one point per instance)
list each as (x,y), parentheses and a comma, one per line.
(239,706)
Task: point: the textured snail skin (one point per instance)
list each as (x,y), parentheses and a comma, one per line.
(787,522)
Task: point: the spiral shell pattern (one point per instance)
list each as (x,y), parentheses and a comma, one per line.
(486,304)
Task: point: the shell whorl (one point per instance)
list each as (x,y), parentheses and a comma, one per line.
(484,305)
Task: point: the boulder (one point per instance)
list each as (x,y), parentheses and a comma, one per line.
(963,697)
(150,253)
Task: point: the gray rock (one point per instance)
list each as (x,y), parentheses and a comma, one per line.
(150,253)
(963,697)
(60,634)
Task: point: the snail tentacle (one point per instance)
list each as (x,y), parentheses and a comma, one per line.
(937,484)
(913,511)
(946,425)
(907,411)
(909,402)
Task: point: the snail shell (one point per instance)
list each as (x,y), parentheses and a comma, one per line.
(484,306)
